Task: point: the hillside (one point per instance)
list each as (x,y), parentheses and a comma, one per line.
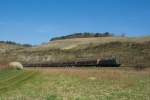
(128,51)
(7,51)
(75,42)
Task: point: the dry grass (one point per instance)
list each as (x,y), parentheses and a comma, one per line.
(97,72)
(71,43)
(76,84)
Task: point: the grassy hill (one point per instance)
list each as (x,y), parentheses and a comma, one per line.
(8,51)
(75,42)
(128,51)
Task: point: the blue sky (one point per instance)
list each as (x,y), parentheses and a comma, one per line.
(36,21)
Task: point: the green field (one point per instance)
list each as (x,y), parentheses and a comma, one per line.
(75,84)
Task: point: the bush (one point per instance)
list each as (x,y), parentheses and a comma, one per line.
(16,65)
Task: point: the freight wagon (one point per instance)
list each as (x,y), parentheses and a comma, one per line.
(80,63)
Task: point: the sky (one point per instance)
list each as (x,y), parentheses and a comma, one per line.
(36,21)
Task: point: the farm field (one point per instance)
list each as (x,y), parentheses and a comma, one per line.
(75,84)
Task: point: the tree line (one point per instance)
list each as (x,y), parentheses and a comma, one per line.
(83,35)
(14,43)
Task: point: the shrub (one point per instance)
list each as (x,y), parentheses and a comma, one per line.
(16,65)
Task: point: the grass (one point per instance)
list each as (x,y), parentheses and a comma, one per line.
(75,84)
(72,43)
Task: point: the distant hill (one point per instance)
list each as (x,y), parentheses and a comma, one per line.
(83,35)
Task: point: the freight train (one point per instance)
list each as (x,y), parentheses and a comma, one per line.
(80,63)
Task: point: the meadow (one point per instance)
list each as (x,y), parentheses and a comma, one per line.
(75,84)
